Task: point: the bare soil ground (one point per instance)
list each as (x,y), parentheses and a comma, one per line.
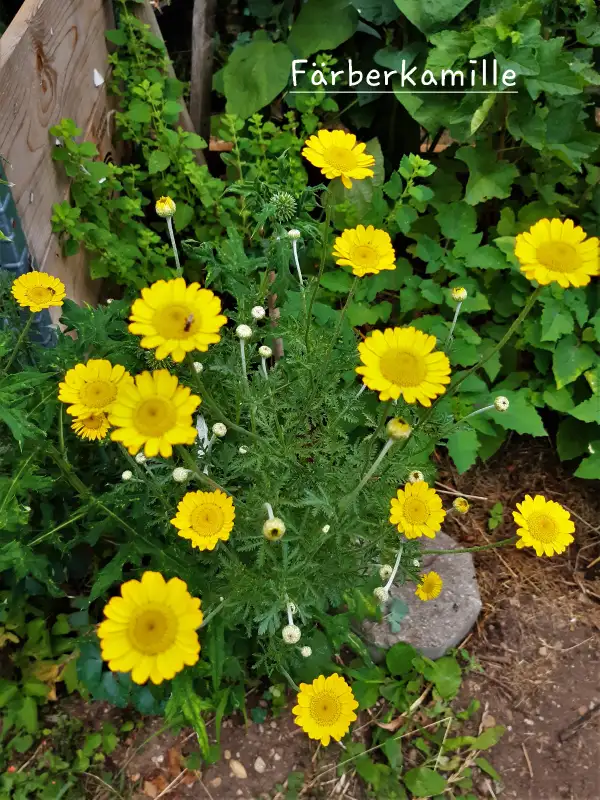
(536,639)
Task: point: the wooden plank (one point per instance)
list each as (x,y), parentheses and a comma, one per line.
(47,59)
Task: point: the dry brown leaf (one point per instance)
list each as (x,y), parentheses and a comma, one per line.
(154,787)
(174,762)
(393,725)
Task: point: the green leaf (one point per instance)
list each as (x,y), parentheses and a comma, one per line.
(158,162)
(487,257)
(405,216)
(488,177)
(572,438)
(521,416)
(28,714)
(570,360)
(399,659)
(556,320)
(589,468)
(139,111)
(463,447)
(589,410)
(338,281)
(489,737)
(431,15)
(559,399)
(183,215)
(254,75)
(446,675)
(456,220)
(117,37)
(555,75)
(424,782)
(322,26)
(486,767)
(366,694)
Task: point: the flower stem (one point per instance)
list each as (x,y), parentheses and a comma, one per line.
(212,613)
(328,211)
(289,679)
(200,476)
(375,464)
(451,331)
(174,244)
(18,343)
(297,262)
(489,546)
(81,513)
(396,567)
(243,357)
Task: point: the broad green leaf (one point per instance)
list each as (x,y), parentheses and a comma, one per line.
(399,658)
(380,12)
(446,675)
(424,782)
(431,15)
(521,416)
(338,281)
(589,410)
(556,319)
(448,47)
(486,767)
(254,75)
(322,26)
(559,399)
(489,737)
(28,714)
(158,162)
(487,257)
(463,447)
(570,360)
(366,694)
(480,116)
(184,214)
(573,437)
(488,177)
(555,75)
(589,468)
(117,37)
(456,220)
(139,111)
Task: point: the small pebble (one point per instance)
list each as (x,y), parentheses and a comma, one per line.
(543,651)
(259,765)
(277,757)
(216,782)
(238,769)
(529,722)
(227,754)
(273,724)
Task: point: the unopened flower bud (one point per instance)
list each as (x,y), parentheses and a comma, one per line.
(242,450)
(459,294)
(294,234)
(385,571)
(198,367)
(264,351)
(127,475)
(398,429)
(258,312)
(415,476)
(219,430)
(141,458)
(273,529)
(284,206)
(180,474)
(109,301)
(461,504)
(306,652)
(291,634)
(501,403)
(381,594)
(326,528)
(165,207)
(244,331)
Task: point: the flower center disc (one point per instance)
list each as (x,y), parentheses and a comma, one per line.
(365,256)
(340,158)
(325,709)
(416,511)
(403,369)
(176,322)
(558,256)
(542,528)
(207,520)
(153,631)
(98,394)
(155,416)
(40,294)
(93,422)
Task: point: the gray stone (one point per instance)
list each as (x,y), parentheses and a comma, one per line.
(435,626)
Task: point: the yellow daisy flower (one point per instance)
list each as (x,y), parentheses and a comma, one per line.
(544,525)
(93,426)
(429,586)
(150,630)
(176,318)
(154,413)
(417,510)
(553,250)
(402,361)
(38,290)
(366,250)
(337,155)
(325,708)
(92,387)
(204,518)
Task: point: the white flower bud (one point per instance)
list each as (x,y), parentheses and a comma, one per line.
(264,351)
(398,429)
(165,207)
(459,294)
(127,475)
(381,594)
(109,301)
(291,634)
(416,562)
(294,234)
(258,312)
(198,367)
(326,528)
(244,331)
(415,476)
(273,529)
(141,458)
(501,403)
(306,652)
(242,450)
(385,572)
(591,450)
(180,474)
(219,429)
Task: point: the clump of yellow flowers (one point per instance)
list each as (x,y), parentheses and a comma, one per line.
(150,629)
